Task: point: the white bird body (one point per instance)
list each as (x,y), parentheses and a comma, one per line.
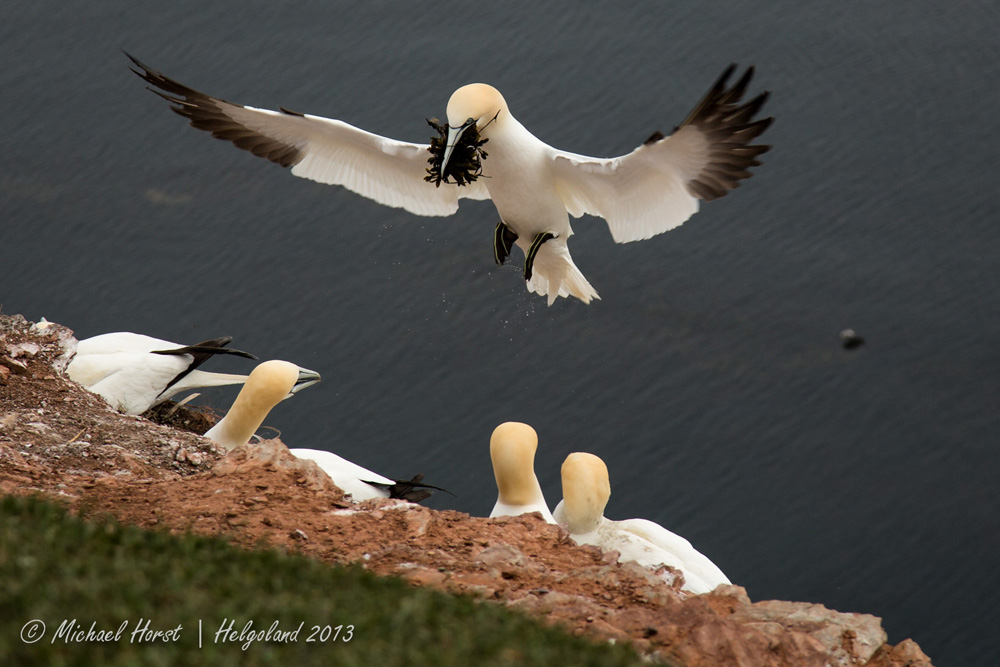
(348,476)
(512,450)
(522,183)
(586,489)
(134,372)
(534,186)
(518,173)
(701,574)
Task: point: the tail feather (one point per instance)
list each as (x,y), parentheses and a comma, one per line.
(554,274)
(412,490)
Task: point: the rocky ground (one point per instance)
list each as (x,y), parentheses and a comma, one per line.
(156,471)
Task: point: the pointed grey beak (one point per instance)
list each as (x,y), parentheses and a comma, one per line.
(307,378)
(454,133)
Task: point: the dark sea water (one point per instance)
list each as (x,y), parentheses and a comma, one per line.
(710,377)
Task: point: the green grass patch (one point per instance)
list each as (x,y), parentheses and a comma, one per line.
(55,567)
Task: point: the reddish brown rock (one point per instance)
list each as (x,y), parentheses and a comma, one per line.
(149,474)
(847,638)
(904,654)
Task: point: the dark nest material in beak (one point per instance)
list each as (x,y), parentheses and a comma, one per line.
(466,162)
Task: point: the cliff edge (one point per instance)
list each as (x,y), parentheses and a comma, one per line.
(59,440)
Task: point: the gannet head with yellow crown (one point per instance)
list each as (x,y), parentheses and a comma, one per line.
(475,104)
(512,450)
(586,489)
(270,383)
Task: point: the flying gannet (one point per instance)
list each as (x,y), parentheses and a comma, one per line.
(133,372)
(586,489)
(534,187)
(512,450)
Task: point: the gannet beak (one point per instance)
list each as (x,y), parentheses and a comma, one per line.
(454,133)
(307,378)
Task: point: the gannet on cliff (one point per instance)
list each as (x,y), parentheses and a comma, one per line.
(134,372)
(534,187)
(586,489)
(268,384)
(512,450)
(363,484)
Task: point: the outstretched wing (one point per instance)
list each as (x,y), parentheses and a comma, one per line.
(657,186)
(321,149)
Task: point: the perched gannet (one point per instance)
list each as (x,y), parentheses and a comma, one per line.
(134,372)
(534,186)
(512,449)
(268,384)
(363,484)
(586,489)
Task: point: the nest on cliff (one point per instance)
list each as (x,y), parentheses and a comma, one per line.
(466,162)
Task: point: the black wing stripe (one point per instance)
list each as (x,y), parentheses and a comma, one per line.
(202,352)
(208,113)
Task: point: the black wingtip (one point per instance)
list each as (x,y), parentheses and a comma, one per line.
(729,126)
(146,70)
(206,349)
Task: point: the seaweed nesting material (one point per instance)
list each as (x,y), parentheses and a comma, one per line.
(466,162)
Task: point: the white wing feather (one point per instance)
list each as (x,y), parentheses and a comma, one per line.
(388,171)
(641,194)
(347,475)
(695,563)
(321,149)
(656,187)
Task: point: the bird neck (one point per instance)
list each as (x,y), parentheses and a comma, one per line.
(503,128)
(242,420)
(581,521)
(519,487)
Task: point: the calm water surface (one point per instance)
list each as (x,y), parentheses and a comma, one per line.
(709,377)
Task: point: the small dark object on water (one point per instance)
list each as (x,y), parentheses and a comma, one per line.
(851,339)
(466,162)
